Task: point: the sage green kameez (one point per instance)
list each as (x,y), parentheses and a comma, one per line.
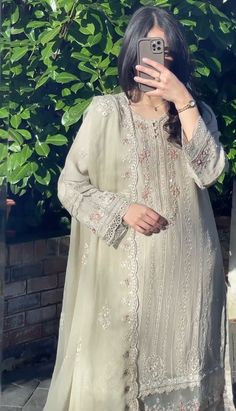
(143,318)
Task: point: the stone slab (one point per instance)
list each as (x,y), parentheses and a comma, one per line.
(37,401)
(17,394)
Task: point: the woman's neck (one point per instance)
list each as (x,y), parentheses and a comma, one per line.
(152,101)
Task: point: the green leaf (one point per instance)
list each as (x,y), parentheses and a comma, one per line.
(217,11)
(42,149)
(4,134)
(76,87)
(116,48)
(92,40)
(111,71)
(14,147)
(232,154)
(57,140)
(225,26)
(49,35)
(74,113)
(66,92)
(215,63)
(25,114)
(86,69)
(15,136)
(42,80)
(204,71)
(104,63)
(188,23)
(37,24)
(65,77)
(4,113)
(3,152)
(15,120)
(43,180)
(18,53)
(59,105)
(18,159)
(52,4)
(39,14)
(19,174)
(81,56)
(3,172)
(109,45)
(25,133)
(193,48)
(15,16)
(89,29)
(17,69)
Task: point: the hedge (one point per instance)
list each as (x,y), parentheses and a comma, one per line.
(56,55)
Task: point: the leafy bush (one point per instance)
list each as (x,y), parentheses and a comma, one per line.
(64,52)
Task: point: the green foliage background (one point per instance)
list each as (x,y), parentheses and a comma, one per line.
(62,53)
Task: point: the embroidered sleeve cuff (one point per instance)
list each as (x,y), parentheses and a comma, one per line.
(116,228)
(201,147)
(200,136)
(204,154)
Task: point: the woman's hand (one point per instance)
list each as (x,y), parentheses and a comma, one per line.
(144,220)
(166,84)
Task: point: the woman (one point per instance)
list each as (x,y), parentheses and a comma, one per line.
(143,317)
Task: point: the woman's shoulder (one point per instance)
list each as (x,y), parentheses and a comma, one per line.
(107,103)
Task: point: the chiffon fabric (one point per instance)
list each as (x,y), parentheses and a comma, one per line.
(143,318)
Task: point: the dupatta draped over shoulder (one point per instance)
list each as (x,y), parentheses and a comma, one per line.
(143,318)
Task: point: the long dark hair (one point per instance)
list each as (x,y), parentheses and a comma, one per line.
(142,21)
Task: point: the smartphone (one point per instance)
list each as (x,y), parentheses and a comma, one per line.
(154,49)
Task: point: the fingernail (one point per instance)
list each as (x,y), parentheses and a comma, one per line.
(144,59)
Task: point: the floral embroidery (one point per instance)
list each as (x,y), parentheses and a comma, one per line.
(131,333)
(103,105)
(205,155)
(154,369)
(117,228)
(104,317)
(174,190)
(192,405)
(96,216)
(203,158)
(144,155)
(173,153)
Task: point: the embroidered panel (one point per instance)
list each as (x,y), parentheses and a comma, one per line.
(104,317)
(129,265)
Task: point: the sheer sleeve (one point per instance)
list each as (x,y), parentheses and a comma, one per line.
(205,156)
(100,211)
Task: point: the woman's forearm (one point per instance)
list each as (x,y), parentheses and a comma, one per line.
(188,118)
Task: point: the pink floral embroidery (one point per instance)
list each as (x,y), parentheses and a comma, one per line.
(172,152)
(96,216)
(144,155)
(146,193)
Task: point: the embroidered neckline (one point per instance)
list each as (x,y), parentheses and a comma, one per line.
(148,120)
